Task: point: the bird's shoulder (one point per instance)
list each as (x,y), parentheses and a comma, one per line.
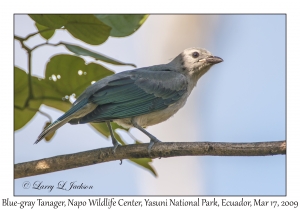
(159,80)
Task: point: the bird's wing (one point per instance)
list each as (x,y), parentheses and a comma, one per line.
(137,93)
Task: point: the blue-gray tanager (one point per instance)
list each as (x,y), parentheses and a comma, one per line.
(140,97)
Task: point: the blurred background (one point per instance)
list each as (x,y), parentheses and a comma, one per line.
(239,100)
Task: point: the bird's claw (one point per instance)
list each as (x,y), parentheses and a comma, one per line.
(116,144)
(115,147)
(152,142)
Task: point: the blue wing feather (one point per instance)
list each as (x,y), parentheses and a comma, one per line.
(138,93)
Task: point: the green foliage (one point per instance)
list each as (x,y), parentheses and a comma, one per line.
(144,162)
(102,128)
(69,75)
(24,110)
(50,21)
(92,29)
(123,25)
(81,51)
(47,34)
(21,91)
(87,28)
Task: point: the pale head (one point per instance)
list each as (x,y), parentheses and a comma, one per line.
(195,62)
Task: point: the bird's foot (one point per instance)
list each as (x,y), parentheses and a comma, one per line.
(116,144)
(152,142)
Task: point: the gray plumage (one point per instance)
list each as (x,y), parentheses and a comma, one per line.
(139,97)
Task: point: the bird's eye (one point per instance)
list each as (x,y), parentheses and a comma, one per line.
(195,54)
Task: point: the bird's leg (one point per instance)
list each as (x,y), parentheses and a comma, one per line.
(114,140)
(153,139)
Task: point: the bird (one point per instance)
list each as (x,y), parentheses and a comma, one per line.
(140,97)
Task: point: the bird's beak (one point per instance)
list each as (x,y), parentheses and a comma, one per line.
(213,59)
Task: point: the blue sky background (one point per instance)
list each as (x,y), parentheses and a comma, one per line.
(239,100)
(246,103)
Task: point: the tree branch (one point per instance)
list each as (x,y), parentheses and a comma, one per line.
(167,149)
(30,91)
(38,32)
(46,43)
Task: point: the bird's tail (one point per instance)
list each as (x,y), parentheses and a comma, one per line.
(78,110)
(51,128)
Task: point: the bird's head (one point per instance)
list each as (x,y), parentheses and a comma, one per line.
(195,62)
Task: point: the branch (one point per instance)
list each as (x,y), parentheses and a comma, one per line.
(49,44)
(21,40)
(30,91)
(167,149)
(38,32)
(41,112)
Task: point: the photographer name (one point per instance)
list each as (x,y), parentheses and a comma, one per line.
(62,185)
